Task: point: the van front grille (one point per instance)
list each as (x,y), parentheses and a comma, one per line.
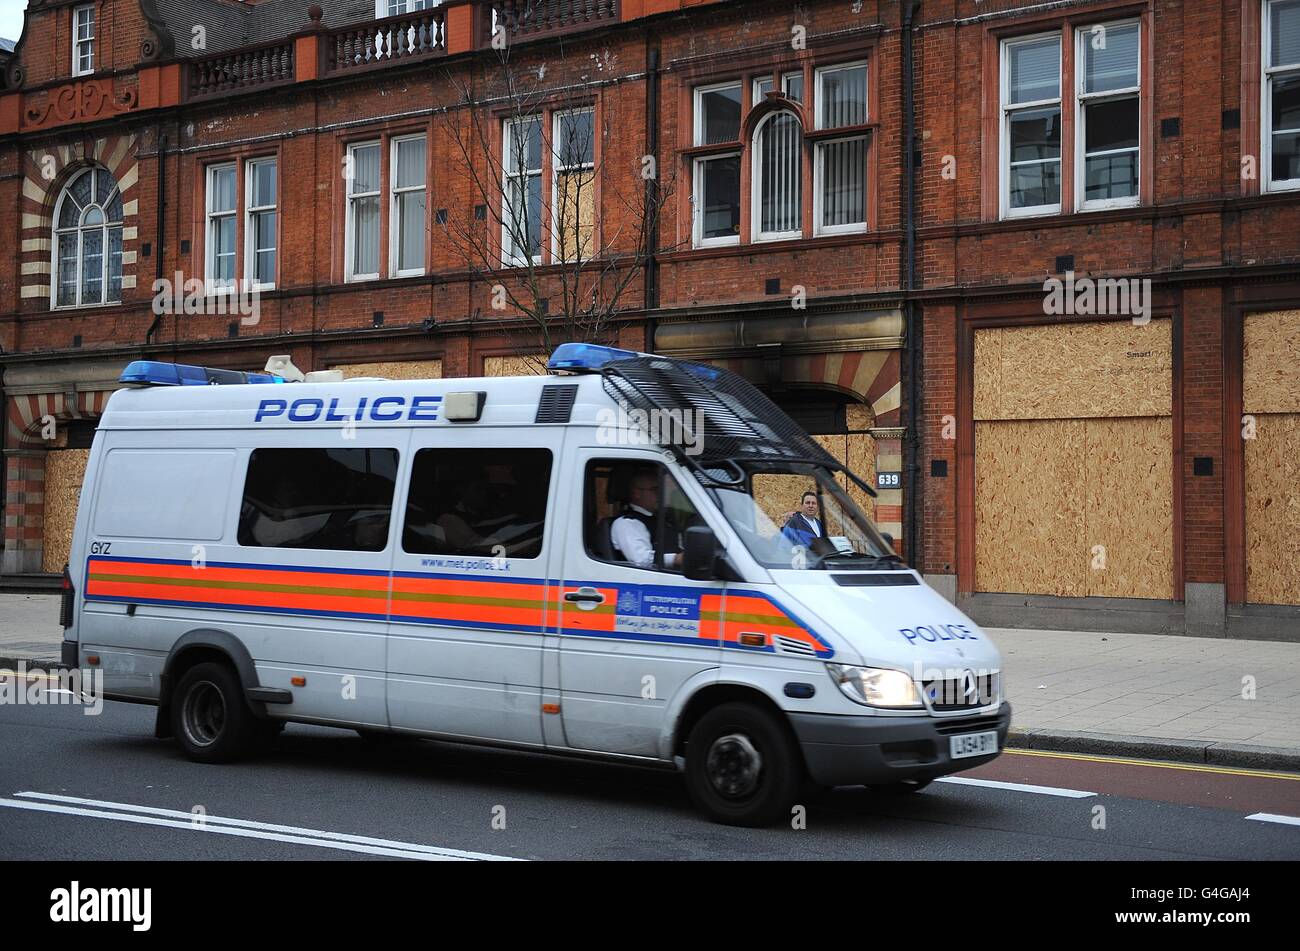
(962,693)
(966,725)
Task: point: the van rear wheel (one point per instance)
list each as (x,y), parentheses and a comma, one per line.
(742,766)
(210,718)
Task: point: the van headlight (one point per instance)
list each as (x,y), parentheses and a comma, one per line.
(875,686)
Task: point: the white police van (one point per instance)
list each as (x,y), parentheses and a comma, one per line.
(441,558)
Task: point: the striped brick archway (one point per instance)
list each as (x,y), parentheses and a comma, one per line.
(45,172)
(26,418)
(28,413)
(871,377)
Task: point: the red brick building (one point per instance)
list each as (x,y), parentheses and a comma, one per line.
(404,183)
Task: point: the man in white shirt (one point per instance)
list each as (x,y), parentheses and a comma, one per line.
(632,532)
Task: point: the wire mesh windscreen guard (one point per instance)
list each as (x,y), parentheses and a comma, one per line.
(693,405)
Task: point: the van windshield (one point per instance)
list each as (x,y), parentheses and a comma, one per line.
(798,516)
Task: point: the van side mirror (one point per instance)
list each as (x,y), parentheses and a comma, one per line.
(699,554)
(889,540)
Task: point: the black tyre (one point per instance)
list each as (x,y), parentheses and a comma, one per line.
(743,767)
(906,787)
(210,718)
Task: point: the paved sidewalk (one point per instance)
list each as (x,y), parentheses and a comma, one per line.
(29,626)
(1161,696)
(1157,695)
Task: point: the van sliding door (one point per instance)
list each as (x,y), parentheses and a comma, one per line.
(470,590)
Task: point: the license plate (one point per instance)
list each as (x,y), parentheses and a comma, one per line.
(973,744)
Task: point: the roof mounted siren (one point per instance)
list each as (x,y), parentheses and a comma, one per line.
(281,365)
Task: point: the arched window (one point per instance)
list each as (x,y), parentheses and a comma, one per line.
(778,177)
(88,241)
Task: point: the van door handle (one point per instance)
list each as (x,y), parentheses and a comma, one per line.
(585,596)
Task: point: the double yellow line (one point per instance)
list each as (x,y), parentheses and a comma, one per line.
(1189,767)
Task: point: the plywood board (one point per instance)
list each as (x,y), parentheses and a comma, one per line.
(1271,362)
(860,457)
(64,471)
(1074,371)
(1129,506)
(1029,508)
(779,495)
(1273,510)
(530,365)
(412,370)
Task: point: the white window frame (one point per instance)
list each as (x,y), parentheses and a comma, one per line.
(1083,99)
(211,285)
(697,197)
(350,198)
(819,154)
(384,8)
(394,206)
(697,166)
(1004,131)
(79,228)
(510,255)
(757,175)
(557,168)
(78,41)
(697,108)
(756,97)
(250,229)
(1268,73)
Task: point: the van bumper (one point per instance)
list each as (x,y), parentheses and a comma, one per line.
(871,750)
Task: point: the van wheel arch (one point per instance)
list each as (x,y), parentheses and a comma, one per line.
(712,696)
(199,646)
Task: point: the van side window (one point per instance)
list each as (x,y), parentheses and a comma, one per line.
(635,514)
(487,502)
(331,499)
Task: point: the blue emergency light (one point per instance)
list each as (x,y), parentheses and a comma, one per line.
(158,373)
(588,357)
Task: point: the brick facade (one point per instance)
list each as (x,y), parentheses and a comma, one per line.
(1214,244)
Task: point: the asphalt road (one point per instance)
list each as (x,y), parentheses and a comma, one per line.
(77,787)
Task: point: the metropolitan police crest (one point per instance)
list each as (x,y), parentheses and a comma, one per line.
(629,602)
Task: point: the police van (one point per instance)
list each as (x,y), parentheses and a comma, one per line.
(593,563)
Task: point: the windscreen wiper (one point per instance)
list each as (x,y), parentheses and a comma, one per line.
(876,560)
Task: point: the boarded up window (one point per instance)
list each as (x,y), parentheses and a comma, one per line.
(1271,397)
(1074,460)
(393,370)
(64,472)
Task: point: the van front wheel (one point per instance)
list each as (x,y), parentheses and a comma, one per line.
(742,766)
(210,719)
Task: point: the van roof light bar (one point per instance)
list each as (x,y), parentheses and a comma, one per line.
(160,373)
(586,357)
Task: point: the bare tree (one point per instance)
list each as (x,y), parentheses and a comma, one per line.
(563,258)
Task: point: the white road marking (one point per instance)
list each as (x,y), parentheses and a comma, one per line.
(1017,787)
(1271,817)
(247,828)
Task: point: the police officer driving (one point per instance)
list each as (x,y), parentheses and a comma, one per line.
(633,531)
